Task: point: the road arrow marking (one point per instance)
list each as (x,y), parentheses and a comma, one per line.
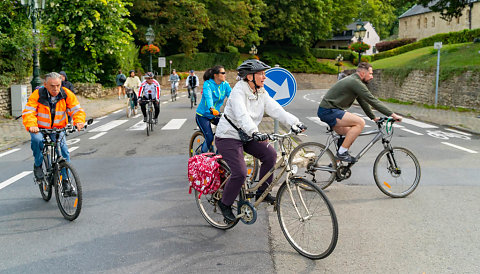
(282,91)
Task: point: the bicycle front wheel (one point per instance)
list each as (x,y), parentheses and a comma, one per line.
(307,218)
(44,185)
(304,159)
(68,191)
(208,203)
(196,142)
(129,108)
(396,172)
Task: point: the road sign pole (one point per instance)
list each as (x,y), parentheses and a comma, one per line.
(437,46)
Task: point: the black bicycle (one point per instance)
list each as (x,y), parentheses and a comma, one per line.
(193,96)
(150,115)
(60,174)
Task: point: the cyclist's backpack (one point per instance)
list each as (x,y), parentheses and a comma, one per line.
(203,173)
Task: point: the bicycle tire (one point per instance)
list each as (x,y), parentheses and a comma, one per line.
(148,123)
(303,157)
(195,145)
(45,186)
(396,183)
(207,203)
(70,206)
(129,108)
(314,234)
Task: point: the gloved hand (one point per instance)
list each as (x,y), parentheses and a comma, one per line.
(257,136)
(298,128)
(214,112)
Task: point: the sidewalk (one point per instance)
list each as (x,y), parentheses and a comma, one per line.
(12,131)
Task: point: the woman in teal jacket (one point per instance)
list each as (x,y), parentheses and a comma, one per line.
(215,90)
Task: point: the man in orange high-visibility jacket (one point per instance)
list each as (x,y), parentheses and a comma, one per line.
(48,107)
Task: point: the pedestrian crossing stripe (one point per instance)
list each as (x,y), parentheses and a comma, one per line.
(174,124)
(108,126)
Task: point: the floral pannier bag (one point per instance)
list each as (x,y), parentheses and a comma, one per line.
(203,173)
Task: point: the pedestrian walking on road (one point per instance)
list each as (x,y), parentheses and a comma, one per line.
(120,81)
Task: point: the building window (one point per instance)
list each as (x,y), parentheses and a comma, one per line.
(458,20)
(425,22)
(406,25)
(418,23)
(433,21)
(368,34)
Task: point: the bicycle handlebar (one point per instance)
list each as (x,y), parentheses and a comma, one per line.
(68,129)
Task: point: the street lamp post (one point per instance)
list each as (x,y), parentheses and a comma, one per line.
(253,50)
(33,10)
(150,36)
(338,63)
(359,32)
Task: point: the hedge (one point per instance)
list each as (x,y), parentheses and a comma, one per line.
(388,45)
(203,60)
(332,53)
(295,60)
(446,38)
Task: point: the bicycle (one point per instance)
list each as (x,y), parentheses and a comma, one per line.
(193,96)
(56,171)
(305,214)
(396,170)
(195,148)
(173,90)
(150,115)
(130,104)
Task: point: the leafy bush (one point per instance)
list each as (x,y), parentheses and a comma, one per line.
(203,60)
(388,45)
(296,60)
(332,53)
(50,60)
(365,58)
(446,38)
(359,47)
(232,49)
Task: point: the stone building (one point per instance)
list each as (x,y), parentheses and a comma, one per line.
(420,22)
(344,39)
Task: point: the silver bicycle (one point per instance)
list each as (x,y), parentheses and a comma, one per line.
(396,170)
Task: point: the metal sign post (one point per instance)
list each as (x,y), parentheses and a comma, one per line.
(162,62)
(437,46)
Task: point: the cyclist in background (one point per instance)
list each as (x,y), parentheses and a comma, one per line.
(149,89)
(48,108)
(244,109)
(174,78)
(192,83)
(332,108)
(133,82)
(215,90)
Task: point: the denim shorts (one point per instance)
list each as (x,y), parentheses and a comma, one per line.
(330,115)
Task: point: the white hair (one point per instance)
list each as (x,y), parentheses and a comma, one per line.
(53,75)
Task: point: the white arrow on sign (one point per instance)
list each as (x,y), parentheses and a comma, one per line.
(281,91)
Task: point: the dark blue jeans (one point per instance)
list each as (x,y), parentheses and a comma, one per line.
(204,125)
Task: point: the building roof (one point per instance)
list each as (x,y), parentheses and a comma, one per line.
(419,9)
(341,37)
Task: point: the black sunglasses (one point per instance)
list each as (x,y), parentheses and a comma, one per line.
(222,72)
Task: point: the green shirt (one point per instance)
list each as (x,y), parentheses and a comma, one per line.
(343,93)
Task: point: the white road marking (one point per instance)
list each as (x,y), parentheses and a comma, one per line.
(100,118)
(108,126)
(96,136)
(72,149)
(138,115)
(411,131)
(184,95)
(174,124)
(14,179)
(459,147)
(94,122)
(73,141)
(417,123)
(9,151)
(165,102)
(138,126)
(317,121)
(117,111)
(458,131)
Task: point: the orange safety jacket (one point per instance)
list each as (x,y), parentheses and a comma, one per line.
(37,111)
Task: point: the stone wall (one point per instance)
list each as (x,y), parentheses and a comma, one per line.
(93,91)
(6,100)
(419,87)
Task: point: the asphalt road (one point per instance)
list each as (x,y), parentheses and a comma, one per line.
(137,214)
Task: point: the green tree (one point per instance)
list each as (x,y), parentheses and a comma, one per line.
(178,24)
(381,13)
(300,23)
(232,23)
(16,42)
(89,33)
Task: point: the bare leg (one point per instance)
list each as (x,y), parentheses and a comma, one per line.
(350,126)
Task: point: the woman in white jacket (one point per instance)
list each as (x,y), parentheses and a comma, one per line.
(245,107)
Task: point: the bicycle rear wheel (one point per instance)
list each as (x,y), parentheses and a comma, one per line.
(129,108)
(396,172)
(69,202)
(303,158)
(208,203)
(44,185)
(149,118)
(307,218)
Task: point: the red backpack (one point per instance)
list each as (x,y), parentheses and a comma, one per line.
(203,173)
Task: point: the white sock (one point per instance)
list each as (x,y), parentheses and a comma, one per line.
(342,150)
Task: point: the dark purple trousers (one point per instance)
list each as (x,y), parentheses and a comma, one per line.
(232,152)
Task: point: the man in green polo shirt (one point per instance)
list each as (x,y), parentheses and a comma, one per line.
(340,96)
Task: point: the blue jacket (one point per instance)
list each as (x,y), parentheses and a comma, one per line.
(213,96)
